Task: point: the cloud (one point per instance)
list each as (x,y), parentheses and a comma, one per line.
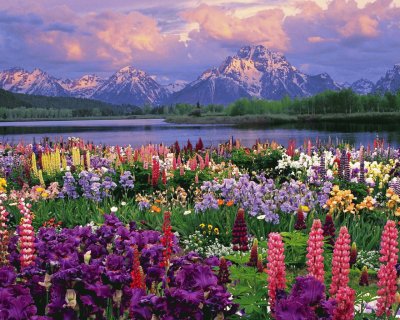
(180,39)
(265,27)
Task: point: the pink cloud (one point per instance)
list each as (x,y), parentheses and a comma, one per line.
(265,27)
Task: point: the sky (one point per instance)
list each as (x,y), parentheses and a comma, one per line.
(179,39)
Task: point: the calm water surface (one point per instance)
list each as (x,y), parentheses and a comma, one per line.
(142,131)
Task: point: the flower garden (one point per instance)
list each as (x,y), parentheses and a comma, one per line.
(187,232)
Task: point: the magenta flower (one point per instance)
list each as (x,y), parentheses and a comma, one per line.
(275,267)
(315,249)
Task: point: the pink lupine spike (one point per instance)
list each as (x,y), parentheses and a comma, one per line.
(315,249)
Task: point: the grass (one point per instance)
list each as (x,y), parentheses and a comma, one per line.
(268,119)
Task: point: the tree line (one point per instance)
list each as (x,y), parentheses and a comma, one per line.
(328,102)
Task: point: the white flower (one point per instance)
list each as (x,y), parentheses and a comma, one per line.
(114,209)
(68,168)
(123,203)
(262,217)
(187,212)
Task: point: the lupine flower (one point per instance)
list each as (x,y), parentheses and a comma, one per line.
(315,250)
(260,266)
(239,233)
(364,279)
(253,254)
(347,167)
(387,273)
(275,267)
(4,236)
(322,169)
(155,172)
(300,221)
(167,239)
(362,166)
(26,235)
(223,272)
(345,304)
(353,254)
(329,229)
(340,262)
(137,271)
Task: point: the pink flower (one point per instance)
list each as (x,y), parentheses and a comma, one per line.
(387,272)
(26,235)
(275,267)
(340,262)
(345,304)
(4,236)
(315,249)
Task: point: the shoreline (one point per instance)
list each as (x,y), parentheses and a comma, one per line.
(276,119)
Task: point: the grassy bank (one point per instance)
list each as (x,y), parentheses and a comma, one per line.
(368,117)
(145,116)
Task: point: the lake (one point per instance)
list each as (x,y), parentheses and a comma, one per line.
(142,131)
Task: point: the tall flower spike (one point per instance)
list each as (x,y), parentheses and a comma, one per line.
(26,235)
(353,254)
(364,279)
(345,304)
(167,239)
(275,267)
(322,168)
(347,167)
(4,236)
(253,254)
(387,274)
(239,232)
(329,229)
(315,249)
(342,164)
(362,166)
(340,262)
(155,172)
(300,221)
(223,272)
(137,274)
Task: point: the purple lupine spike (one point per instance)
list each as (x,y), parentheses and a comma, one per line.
(322,169)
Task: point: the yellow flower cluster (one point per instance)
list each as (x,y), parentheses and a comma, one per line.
(393,201)
(42,192)
(76,156)
(3,185)
(34,165)
(51,162)
(379,171)
(209,229)
(340,201)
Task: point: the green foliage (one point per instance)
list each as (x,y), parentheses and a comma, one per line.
(328,102)
(295,248)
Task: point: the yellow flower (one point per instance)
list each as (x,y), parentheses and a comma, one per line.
(210,227)
(397,212)
(216,231)
(304,208)
(3,185)
(202,225)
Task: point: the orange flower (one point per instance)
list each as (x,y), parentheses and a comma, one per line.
(230,203)
(220,202)
(155,209)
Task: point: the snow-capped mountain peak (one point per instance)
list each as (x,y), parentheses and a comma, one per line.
(390,81)
(131,86)
(254,71)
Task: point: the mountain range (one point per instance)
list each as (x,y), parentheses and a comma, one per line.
(254,72)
